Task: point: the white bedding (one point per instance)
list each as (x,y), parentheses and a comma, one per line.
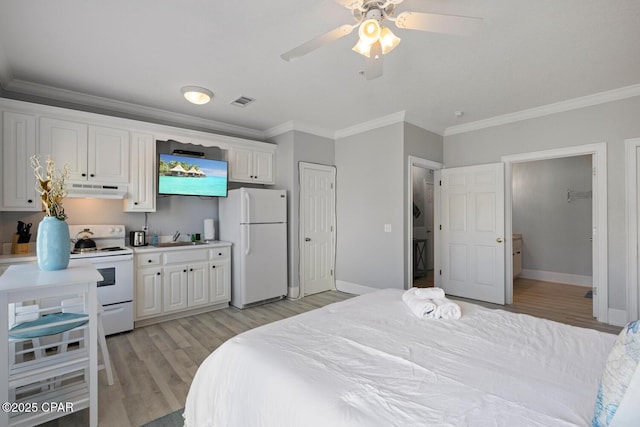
(369,361)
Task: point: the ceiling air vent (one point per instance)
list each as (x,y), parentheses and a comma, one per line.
(243,101)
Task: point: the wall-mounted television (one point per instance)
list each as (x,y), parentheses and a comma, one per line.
(192,176)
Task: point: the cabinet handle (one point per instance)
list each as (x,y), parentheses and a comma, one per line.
(135,203)
(149,261)
(29,201)
(84,174)
(191,269)
(213,266)
(219,253)
(184,271)
(158,273)
(92,175)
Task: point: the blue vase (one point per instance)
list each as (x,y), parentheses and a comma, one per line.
(52,244)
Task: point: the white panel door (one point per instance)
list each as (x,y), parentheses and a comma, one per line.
(108,154)
(317,219)
(473,249)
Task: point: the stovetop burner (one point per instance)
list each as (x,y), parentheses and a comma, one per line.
(83,250)
(112,249)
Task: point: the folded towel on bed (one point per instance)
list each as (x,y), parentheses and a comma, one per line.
(423,293)
(424,308)
(446,309)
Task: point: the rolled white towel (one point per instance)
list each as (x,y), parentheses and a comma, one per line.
(446,309)
(423,308)
(426,293)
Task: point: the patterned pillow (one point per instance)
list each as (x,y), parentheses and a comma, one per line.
(618,372)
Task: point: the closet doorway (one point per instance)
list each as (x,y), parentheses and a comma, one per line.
(420,222)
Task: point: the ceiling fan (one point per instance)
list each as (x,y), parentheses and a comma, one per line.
(375,39)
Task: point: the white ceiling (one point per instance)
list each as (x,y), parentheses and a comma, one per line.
(125,53)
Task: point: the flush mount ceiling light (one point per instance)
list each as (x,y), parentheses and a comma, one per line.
(375,39)
(197,95)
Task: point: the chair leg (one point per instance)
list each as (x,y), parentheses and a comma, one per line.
(105,352)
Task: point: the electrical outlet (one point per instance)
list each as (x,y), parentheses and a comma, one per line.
(387,228)
(145,229)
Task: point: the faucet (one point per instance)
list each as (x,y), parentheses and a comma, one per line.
(176,236)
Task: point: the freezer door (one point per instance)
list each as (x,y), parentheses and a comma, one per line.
(259,206)
(263,263)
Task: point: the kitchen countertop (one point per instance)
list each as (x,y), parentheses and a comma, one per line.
(31,256)
(207,245)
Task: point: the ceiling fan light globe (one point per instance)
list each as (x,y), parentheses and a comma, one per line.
(363,48)
(369,31)
(388,40)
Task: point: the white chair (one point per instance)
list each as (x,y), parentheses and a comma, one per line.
(75,305)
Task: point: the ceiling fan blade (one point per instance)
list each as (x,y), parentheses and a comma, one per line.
(317,42)
(448,24)
(349,4)
(373,64)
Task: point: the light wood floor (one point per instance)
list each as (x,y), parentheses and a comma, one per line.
(154,365)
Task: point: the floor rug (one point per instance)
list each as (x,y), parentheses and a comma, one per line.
(173,419)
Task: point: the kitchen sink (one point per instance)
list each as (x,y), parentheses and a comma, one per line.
(174,244)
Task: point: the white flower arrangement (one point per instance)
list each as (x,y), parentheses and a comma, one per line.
(51,186)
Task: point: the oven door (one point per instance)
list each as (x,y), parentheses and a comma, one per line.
(117,273)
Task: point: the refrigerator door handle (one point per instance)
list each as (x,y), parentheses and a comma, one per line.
(247,246)
(247,207)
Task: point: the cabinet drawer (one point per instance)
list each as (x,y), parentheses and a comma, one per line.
(148,259)
(219,253)
(185,256)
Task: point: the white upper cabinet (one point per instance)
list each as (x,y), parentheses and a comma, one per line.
(248,165)
(19,144)
(94,153)
(142,187)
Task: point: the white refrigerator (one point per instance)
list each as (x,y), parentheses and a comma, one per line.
(255,221)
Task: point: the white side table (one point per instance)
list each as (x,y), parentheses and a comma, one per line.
(26,282)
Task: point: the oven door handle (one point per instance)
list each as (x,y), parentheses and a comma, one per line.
(112,310)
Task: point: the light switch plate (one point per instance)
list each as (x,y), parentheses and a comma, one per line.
(387,228)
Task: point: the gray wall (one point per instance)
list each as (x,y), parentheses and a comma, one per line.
(612,123)
(371,192)
(556,233)
(295,147)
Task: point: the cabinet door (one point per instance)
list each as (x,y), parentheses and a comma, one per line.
(148,292)
(219,285)
(142,189)
(174,288)
(66,143)
(198,279)
(241,165)
(18,145)
(108,154)
(263,167)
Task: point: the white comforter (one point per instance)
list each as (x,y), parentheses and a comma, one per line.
(369,361)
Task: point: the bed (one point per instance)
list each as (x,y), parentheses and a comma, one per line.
(368,361)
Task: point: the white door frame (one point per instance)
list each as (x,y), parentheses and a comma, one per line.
(425,164)
(301,222)
(599,248)
(631,199)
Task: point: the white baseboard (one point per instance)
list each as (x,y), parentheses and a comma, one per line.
(617,317)
(550,276)
(353,288)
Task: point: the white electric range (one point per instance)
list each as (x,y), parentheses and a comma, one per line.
(115,262)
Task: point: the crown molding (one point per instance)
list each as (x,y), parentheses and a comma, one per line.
(34,89)
(545,110)
(297,126)
(371,124)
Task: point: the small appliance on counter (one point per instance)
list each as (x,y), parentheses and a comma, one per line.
(137,238)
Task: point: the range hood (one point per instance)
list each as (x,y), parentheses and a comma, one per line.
(96,191)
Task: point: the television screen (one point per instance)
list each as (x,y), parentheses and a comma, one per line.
(191,176)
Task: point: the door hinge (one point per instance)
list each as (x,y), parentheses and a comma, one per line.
(440,183)
(331,228)
(440,226)
(331,273)
(441,272)
(331,185)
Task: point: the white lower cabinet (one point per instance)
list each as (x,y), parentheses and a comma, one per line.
(181,281)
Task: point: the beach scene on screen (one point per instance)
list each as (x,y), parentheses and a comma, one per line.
(191,176)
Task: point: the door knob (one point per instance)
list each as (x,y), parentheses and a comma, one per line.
(499,240)
(306,239)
